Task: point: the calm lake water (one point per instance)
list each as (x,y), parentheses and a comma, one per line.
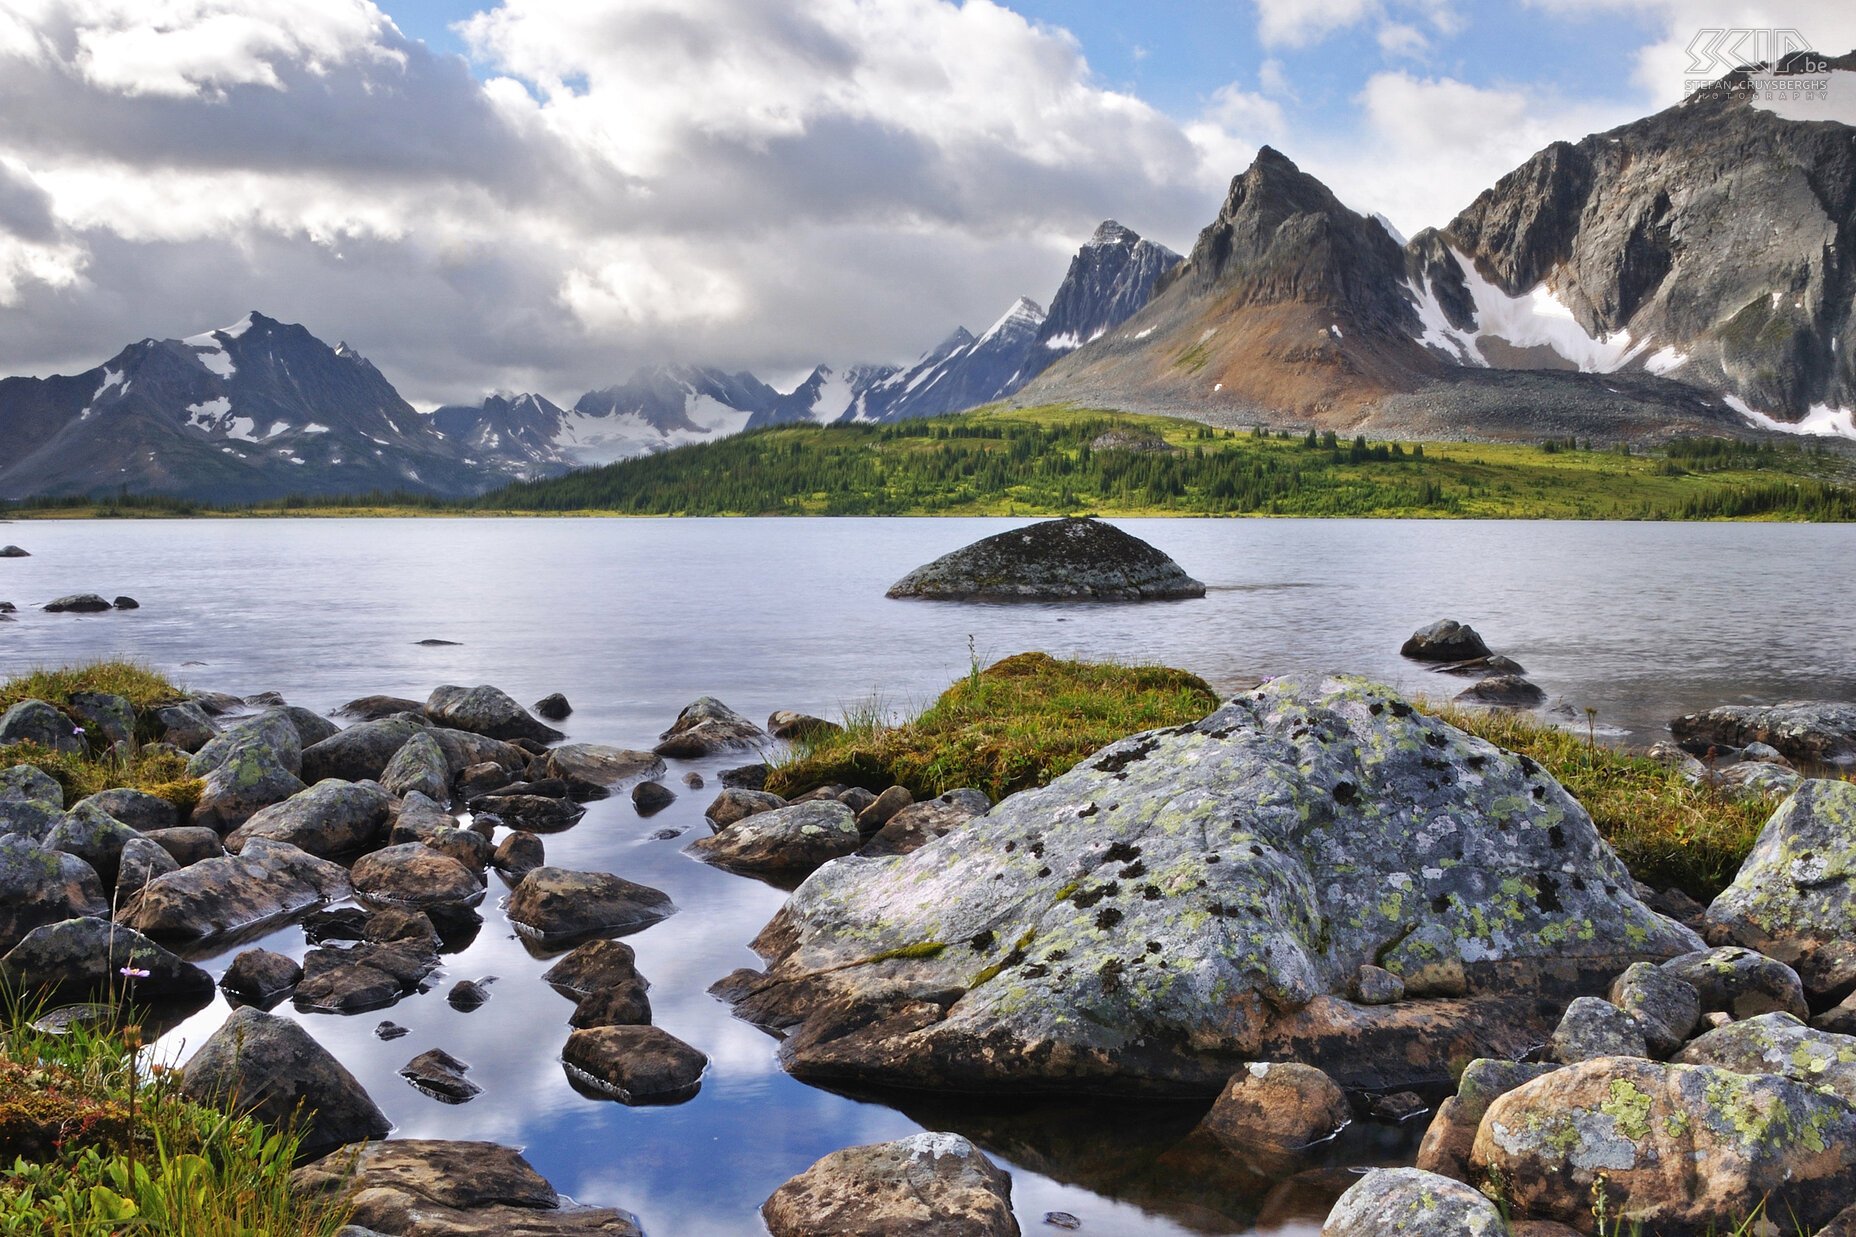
(633,619)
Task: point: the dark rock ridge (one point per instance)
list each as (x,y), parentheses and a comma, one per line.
(1189,900)
(1057,560)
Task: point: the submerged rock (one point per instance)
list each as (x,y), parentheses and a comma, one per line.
(440,1075)
(927,1185)
(1191,899)
(77,603)
(1806,731)
(1268,1110)
(1505,691)
(1445,640)
(1056,560)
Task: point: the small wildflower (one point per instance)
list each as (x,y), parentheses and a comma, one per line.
(133,972)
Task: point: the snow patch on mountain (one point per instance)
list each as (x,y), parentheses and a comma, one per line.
(1821,421)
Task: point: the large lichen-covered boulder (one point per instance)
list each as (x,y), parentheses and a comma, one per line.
(419,766)
(1057,560)
(488,711)
(265,881)
(1780,1044)
(926,1185)
(1413,1203)
(1794,898)
(251,766)
(360,753)
(330,819)
(39,887)
(1808,731)
(91,959)
(31,801)
(1187,900)
(34,721)
(1680,1148)
(94,836)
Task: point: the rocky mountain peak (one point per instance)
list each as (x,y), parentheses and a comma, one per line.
(1110,232)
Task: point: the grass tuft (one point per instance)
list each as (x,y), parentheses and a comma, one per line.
(161,774)
(1016,724)
(136,683)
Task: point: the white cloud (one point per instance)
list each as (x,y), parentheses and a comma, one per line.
(1399,39)
(1297,23)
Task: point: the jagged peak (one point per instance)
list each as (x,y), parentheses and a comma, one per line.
(1109,232)
(1024,314)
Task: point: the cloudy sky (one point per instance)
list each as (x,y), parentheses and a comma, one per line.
(544,194)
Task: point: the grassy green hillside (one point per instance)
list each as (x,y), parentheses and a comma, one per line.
(1051,461)
(1054,461)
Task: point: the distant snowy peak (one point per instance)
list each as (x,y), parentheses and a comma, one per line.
(1022,320)
(1110,279)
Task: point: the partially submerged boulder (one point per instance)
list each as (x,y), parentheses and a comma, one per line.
(1056,560)
(267,880)
(789,841)
(1269,1110)
(926,1185)
(558,905)
(602,766)
(1191,899)
(635,1064)
(488,711)
(1445,640)
(707,727)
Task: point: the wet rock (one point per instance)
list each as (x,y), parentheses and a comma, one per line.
(1645,1126)
(440,1075)
(533,813)
(342,923)
(787,841)
(693,780)
(1764,754)
(486,710)
(1664,1007)
(217,704)
(126,603)
(921,823)
(1780,1044)
(882,810)
(419,819)
(374,708)
(260,977)
(415,875)
(1388,1201)
(34,721)
(1268,1110)
(426,1188)
(271,1068)
(554,707)
(360,753)
(13,551)
(85,959)
(620,1005)
(387,1030)
(362,977)
(482,779)
(77,603)
(467,995)
(1795,896)
(1056,560)
(1493,664)
(1398,1107)
(1596,1028)
(94,836)
(927,1185)
(141,861)
(651,798)
(1812,732)
(636,1064)
(1374,985)
(1263,854)
(1507,691)
(707,727)
(189,844)
(137,809)
(265,881)
(31,802)
(519,854)
(419,766)
(745,777)
(795,727)
(1444,640)
(43,886)
(330,819)
(399,923)
(559,905)
(185,725)
(467,846)
(736,804)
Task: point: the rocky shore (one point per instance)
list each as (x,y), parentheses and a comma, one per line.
(1315,909)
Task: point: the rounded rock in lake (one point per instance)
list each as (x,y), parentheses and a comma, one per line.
(1503,691)
(13,551)
(651,798)
(635,1064)
(926,1185)
(126,603)
(554,707)
(77,603)
(1445,640)
(1056,560)
(557,905)
(1274,1111)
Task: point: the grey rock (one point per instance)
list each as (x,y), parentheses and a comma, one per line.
(415,875)
(420,766)
(533,813)
(488,711)
(260,976)
(265,881)
(126,603)
(271,1068)
(362,752)
(1374,985)
(273,731)
(467,846)
(1811,732)
(921,823)
(736,804)
(252,765)
(1413,1203)
(31,802)
(467,995)
(554,707)
(13,551)
(557,905)
(77,603)
(1780,1044)
(1495,663)
(926,1185)
(1056,560)
(1444,640)
(1666,1008)
(377,708)
(787,841)
(92,959)
(135,808)
(1316,824)
(1594,1028)
(519,854)
(483,779)
(185,725)
(188,844)
(330,819)
(140,861)
(1794,897)
(856,798)
(693,780)
(745,777)
(1765,754)
(1758,777)
(34,721)
(463,750)
(440,1075)
(419,819)
(1508,691)
(651,798)
(94,836)
(106,718)
(636,1064)
(707,727)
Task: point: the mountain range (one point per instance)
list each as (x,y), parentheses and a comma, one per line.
(1691,272)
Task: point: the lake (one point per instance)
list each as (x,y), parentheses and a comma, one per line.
(632,619)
